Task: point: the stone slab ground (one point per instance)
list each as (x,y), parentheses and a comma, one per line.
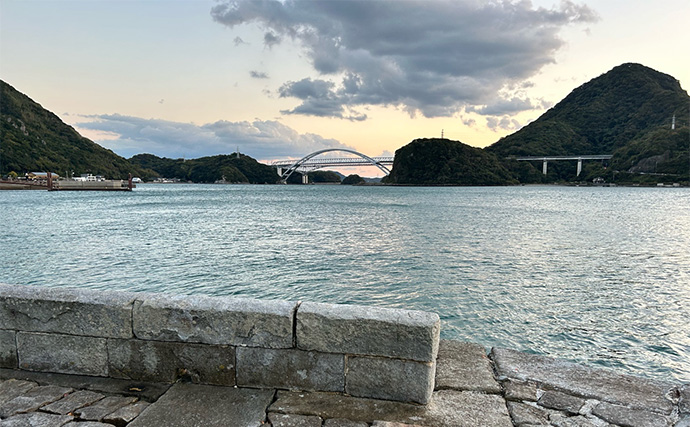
(504,388)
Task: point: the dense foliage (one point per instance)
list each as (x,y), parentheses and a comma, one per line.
(230,168)
(446,162)
(323,177)
(626,112)
(34,139)
(353,179)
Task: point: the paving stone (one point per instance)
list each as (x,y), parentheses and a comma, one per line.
(144,390)
(577,421)
(8,349)
(331,405)
(292,420)
(447,408)
(290,368)
(561,401)
(193,405)
(520,390)
(87,424)
(126,414)
(11,388)
(620,415)
(390,379)
(167,361)
(341,422)
(66,310)
(72,402)
(390,424)
(36,419)
(600,384)
(33,399)
(214,320)
(103,407)
(684,402)
(464,366)
(523,414)
(373,331)
(65,354)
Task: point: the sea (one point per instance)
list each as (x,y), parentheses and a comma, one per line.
(594,275)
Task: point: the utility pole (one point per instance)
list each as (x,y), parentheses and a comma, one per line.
(441,133)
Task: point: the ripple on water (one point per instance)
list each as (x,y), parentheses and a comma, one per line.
(594,275)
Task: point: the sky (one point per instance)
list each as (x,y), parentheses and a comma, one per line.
(281,79)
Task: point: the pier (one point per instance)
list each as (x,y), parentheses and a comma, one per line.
(71,356)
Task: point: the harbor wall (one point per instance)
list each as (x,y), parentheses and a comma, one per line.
(361,351)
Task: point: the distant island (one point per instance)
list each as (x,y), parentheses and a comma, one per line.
(633,113)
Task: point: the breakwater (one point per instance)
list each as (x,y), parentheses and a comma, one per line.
(362,351)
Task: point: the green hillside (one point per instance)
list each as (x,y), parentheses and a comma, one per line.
(626,112)
(445,162)
(233,169)
(34,139)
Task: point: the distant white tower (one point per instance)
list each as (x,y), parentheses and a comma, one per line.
(238,151)
(673,122)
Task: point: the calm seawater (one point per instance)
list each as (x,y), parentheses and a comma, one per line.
(599,276)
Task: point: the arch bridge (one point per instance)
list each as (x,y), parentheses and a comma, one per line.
(312,162)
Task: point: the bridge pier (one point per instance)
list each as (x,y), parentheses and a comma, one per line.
(579,166)
(305,179)
(280,171)
(544,167)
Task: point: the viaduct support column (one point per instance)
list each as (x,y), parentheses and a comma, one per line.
(305,179)
(544,167)
(579,166)
(280,171)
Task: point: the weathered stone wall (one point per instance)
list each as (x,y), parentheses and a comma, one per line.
(362,351)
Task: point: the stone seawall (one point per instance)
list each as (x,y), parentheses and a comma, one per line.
(361,351)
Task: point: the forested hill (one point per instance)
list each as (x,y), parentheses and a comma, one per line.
(433,161)
(626,112)
(34,139)
(233,169)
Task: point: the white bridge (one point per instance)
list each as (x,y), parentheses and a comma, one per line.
(312,162)
(547,159)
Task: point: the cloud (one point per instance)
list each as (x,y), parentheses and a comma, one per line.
(263,140)
(238,41)
(258,75)
(502,123)
(426,57)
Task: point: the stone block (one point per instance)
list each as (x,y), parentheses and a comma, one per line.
(204,405)
(64,354)
(290,368)
(391,379)
(126,414)
(9,389)
(561,401)
(33,399)
(341,422)
(72,402)
(583,381)
(684,402)
(104,407)
(520,390)
(621,415)
(66,310)
(293,420)
(207,320)
(37,419)
(372,331)
(158,361)
(523,414)
(8,350)
(464,366)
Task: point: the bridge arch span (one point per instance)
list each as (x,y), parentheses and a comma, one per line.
(301,161)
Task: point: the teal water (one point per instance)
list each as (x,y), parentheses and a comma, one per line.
(599,276)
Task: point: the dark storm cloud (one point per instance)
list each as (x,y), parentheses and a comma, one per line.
(428,57)
(260,139)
